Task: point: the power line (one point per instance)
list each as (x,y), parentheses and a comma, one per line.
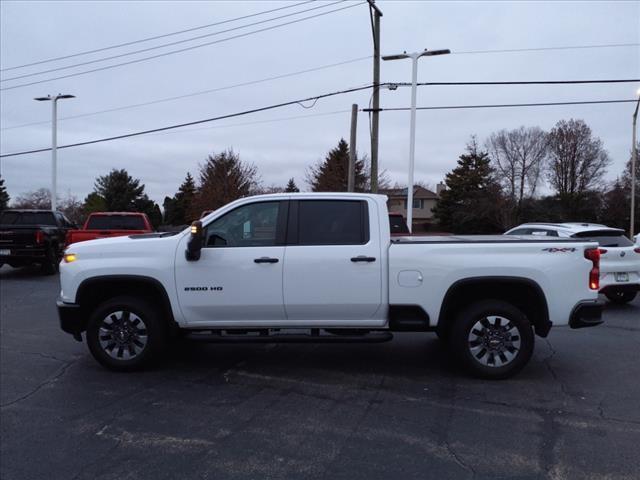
(156,47)
(271,107)
(193,94)
(299,72)
(504,105)
(182,49)
(543,49)
(527,82)
(156,37)
(196,122)
(257,122)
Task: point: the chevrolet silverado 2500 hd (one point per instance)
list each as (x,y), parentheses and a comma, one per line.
(322,267)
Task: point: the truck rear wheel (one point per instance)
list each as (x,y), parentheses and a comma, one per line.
(492,339)
(51,261)
(126,333)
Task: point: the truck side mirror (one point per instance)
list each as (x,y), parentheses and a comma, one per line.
(195,242)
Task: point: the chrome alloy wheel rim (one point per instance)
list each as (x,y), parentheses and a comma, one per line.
(494,341)
(123,335)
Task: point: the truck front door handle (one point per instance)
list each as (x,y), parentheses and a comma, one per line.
(363,258)
(266,260)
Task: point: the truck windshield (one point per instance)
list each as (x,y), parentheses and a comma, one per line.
(116,222)
(27,218)
(606,238)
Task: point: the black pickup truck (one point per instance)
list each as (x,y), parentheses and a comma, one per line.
(33,237)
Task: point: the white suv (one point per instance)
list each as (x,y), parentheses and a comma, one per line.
(619,257)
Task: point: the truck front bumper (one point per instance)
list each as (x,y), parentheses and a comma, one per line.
(587,314)
(72,319)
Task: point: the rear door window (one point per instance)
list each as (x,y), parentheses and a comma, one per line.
(332,222)
(116,222)
(606,238)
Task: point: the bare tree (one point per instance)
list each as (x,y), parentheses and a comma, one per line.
(578,161)
(37,199)
(519,159)
(224,178)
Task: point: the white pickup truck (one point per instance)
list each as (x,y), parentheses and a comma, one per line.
(323,267)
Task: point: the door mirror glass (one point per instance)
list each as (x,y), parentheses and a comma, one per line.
(194,247)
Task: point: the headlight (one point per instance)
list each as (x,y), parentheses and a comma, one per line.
(70,257)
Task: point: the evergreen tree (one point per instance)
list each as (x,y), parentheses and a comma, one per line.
(94,203)
(615,208)
(177,209)
(472,201)
(331,174)
(223,179)
(291,186)
(119,190)
(4,196)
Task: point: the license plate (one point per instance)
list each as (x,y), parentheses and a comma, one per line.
(622,277)
(5,252)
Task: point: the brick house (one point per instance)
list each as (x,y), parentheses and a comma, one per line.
(423,203)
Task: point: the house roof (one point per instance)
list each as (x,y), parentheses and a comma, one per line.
(418,192)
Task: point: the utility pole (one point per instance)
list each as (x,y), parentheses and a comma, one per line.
(375,116)
(351,179)
(54,142)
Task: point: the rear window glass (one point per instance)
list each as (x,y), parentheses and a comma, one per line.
(606,238)
(27,218)
(116,222)
(332,222)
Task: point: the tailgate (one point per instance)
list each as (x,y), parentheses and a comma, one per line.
(17,236)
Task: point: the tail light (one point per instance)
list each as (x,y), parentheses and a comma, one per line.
(637,250)
(602,251)
(593,254)
(39,237)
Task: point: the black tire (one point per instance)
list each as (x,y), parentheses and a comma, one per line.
(620,297)
(51,263)
(480,334)
(131,319)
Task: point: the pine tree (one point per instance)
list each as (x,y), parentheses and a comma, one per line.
(119,190)
(94,203)
(291,186)
(331,174)
(177,209)
(472,200)
(4,195)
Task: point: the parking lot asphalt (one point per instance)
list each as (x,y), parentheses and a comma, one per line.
(367,411)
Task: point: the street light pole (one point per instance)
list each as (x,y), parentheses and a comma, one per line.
(54,142)
(412,127)
(634,161)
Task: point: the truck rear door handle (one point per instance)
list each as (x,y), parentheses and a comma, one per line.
(266,260)
(363,258)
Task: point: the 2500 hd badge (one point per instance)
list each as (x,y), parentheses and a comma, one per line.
(202,289)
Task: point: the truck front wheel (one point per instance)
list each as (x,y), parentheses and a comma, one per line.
(126,333)
(492,339)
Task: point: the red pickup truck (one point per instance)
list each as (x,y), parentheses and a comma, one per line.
(110,224)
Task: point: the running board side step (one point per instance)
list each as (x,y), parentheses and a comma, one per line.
(221,336)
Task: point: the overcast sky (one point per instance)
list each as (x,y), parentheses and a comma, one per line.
(33,31)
